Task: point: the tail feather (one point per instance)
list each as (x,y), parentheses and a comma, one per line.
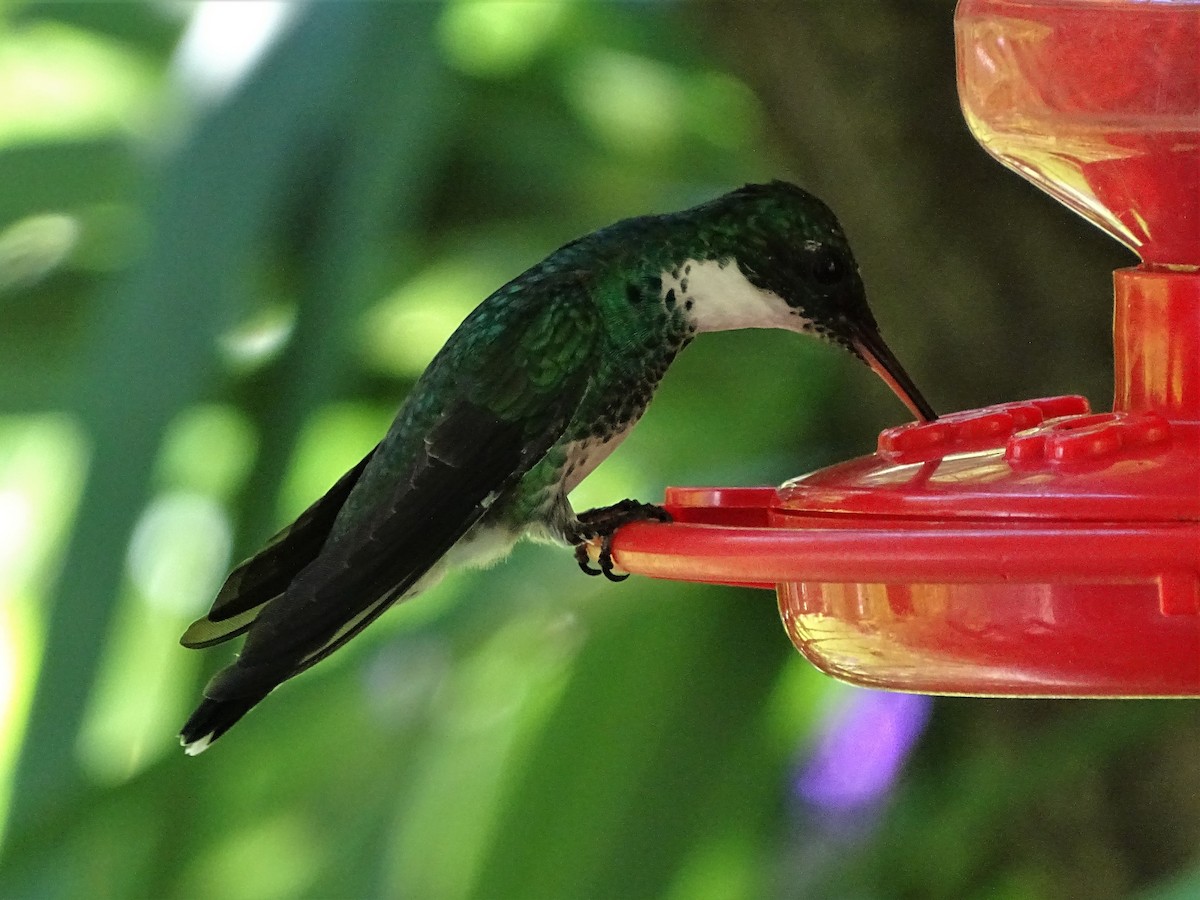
(212,719)
(229,696)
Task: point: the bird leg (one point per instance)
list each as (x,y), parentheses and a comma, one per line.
(599,525)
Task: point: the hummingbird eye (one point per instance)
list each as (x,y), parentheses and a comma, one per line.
(826,266)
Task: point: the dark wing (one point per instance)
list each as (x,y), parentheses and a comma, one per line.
(514,391)
(471,457)
(268,573)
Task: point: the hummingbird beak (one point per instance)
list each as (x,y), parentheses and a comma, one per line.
(869,346)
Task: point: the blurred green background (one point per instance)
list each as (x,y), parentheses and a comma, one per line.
(232,234)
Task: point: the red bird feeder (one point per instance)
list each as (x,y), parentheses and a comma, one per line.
(1032,548)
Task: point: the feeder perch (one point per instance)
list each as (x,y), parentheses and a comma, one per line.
(1033,548)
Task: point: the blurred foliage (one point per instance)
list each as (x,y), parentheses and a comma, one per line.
(231,235)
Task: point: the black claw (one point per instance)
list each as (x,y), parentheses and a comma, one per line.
(606,560)
(602,523)
(581,557)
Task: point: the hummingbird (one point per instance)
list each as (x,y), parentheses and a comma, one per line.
(536,387)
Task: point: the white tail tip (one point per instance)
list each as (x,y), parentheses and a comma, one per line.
(198,746)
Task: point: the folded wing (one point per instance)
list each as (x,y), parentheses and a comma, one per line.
(498,406)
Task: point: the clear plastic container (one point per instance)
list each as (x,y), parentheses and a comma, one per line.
(1098,103)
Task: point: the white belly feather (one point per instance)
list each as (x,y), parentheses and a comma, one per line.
(583,457)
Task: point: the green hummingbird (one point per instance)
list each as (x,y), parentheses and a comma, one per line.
(535,388)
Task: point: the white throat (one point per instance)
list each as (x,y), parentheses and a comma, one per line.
(718,297)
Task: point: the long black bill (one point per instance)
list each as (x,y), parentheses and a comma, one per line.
(875,353)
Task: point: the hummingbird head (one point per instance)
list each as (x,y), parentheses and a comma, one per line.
(775,256)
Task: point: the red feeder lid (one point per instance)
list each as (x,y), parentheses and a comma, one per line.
(1034,547)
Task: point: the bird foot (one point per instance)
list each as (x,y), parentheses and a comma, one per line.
(594,533)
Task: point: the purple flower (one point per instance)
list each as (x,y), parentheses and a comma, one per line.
(860,750)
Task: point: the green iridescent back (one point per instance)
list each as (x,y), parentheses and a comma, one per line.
(590,318)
